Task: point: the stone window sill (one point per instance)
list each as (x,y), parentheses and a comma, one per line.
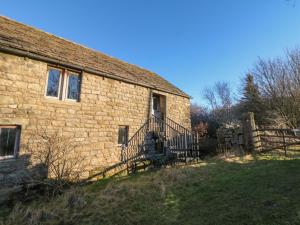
(57,101)
(8,158)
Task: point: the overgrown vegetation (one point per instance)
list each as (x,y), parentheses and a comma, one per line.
(259,190)
(270,90)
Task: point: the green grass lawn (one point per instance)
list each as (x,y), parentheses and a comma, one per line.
(263,190)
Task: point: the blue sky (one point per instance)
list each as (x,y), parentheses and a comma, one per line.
(192,43)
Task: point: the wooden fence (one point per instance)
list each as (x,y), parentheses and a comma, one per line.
(286,140)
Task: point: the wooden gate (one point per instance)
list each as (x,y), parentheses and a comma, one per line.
(286,141)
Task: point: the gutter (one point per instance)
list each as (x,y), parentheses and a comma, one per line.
(46,59)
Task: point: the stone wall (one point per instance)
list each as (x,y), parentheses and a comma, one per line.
(230,137)
(243,136)
(92,122)
(12,172)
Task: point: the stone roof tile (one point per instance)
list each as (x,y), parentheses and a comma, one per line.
(34,42)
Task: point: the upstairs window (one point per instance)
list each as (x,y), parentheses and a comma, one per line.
(63,84)
(9,141)
(123,135)
(53,84)
(73,86)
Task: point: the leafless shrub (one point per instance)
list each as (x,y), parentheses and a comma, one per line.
(199,119)
(201,129)
(57,154)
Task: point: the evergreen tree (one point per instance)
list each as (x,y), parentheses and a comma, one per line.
(252,101)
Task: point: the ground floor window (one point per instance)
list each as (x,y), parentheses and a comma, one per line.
(123,135)
(9,141)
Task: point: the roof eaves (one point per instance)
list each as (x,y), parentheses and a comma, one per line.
(32,55)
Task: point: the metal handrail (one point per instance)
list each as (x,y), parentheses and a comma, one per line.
(155,125)
(179,139)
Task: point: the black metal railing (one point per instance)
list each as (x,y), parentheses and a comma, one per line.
(166,135)
(181,129)
(161,136)
(153,132)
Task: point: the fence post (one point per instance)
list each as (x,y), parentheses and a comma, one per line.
(284,144)
(185,140)
(251,135)
(197,145)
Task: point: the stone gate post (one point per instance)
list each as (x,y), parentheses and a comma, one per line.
(251,135)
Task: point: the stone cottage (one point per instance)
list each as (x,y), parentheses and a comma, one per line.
(99,101)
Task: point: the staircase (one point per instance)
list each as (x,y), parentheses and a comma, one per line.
(159,137)
(157,142)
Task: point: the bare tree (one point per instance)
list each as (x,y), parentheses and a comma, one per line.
(279,83)
(220,100)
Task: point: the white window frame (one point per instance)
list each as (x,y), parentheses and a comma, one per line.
(59,85)
(67,75)
(63,84)
(17,141)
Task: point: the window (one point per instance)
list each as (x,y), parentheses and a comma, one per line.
(9,141)
(156,103)
(63,84)
(53,84)
(73,86)
(123,135)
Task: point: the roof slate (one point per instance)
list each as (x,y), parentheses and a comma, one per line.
(23,38)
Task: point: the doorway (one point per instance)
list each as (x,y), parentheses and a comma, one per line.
(158,108)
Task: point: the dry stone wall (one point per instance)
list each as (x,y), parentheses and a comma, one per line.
(243,136)
(92,122)
(230,137)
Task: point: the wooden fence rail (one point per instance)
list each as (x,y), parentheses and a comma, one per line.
(273,139)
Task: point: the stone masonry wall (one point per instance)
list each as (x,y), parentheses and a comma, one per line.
(230,137)
(92,122)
